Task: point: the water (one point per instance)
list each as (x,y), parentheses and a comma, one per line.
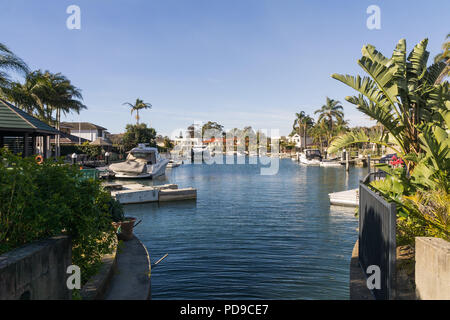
(250,236)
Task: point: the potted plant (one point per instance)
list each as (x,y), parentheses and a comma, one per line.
(126,228)
(116,212)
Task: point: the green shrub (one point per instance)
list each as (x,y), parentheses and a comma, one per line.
(39,201)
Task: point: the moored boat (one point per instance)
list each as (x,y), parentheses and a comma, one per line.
(200,151)
(331,163)
(310,157)
(173,163)
(142,162)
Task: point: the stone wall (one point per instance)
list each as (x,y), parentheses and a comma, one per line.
(432,271)
(36,271)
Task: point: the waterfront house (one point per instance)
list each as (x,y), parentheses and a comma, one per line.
(68,139)
(299,140)
(85,130)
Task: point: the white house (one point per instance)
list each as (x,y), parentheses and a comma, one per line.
(298,140)
(84,130)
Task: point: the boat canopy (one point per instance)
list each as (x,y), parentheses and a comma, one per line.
(312,152)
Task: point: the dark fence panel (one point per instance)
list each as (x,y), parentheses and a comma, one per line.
(377,229)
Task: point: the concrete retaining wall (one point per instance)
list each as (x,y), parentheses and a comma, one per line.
(432,268)
(36,271)
(98,284)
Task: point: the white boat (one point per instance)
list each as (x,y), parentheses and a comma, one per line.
(142,162)
(310,157)
(174,163)
(201,151)
(331,163)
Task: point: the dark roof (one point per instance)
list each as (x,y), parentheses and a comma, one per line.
(82,126)
(65,138)
(14,119)
(101,142)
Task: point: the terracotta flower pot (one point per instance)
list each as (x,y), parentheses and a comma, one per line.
(116,225)
(126,227)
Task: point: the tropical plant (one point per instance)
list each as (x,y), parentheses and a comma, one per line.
(340,127)
(444,56)
(40,201)
(211,125)
(9,62)
(422,195)
(138,105)
(330,111)
(45,93)
(301,124)
(400,93)
(138,133)
(320,133)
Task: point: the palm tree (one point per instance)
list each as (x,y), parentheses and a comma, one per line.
(330,111)
(301,124)
(9,62)
(445,58)
(138,105)
(24,96)
(340,127)
(44,93)
(319,133)
(400,92)
(60,95)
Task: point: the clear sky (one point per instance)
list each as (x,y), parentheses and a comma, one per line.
(237,62)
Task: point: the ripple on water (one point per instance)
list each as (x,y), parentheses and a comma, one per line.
(250,236)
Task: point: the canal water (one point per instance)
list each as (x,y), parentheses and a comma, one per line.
(251,236)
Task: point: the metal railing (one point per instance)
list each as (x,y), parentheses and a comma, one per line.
(377,230)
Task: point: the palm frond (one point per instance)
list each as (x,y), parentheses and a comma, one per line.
(351,138)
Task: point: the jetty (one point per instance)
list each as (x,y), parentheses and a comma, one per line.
(348,198)
(139,193)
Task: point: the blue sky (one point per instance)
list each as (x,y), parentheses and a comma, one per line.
(237,62)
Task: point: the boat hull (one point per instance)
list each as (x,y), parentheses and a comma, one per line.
(334,164)
(313,162)
(158,170)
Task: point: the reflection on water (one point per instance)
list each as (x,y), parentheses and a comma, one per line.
(250,236)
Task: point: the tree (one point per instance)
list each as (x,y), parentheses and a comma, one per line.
(330,111)
(444,56)
(340,127)
(400,92)
(319,133)
(301,124)
(138,105)
(138,133)
(9,62)
(60,95)
(193,130)
(26,96)
(210,125)
(45,93)
(168,144)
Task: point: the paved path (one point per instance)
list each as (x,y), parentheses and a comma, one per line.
(132,278)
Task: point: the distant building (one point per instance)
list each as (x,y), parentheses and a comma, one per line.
(187,141)
(298,140)
(68,139)
(85,130)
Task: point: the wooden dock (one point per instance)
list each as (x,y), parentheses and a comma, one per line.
(348,198)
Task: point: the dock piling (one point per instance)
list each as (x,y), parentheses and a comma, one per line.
(347,164)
